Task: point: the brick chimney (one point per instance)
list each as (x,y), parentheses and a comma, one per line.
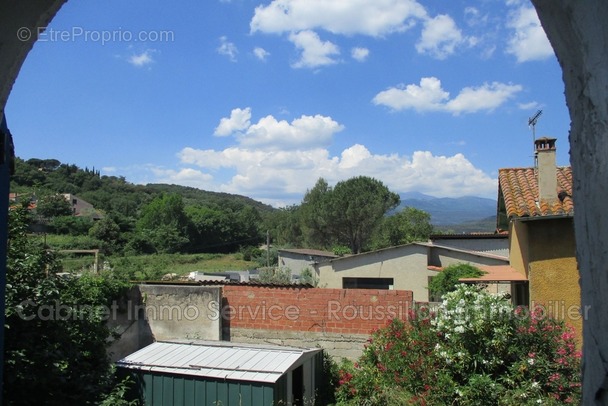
(545,169)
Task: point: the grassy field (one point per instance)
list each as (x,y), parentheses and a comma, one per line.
(152,267)
(142,267)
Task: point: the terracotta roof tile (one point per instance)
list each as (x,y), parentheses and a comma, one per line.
(519,189)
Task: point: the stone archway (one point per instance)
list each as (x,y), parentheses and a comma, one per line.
(579,35)
(19,22)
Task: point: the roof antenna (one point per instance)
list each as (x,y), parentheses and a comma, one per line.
(532,123)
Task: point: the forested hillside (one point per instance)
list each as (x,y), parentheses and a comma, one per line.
(136,219)
(133,219)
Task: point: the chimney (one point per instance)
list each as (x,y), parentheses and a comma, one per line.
(544,151)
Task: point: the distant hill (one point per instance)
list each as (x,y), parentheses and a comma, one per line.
(470,212)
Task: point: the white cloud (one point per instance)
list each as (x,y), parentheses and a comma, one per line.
(430,96)
(529,41)
(359,54)
(286,175)
(185,177)
(488,97)
(528,106)
(227,48)
(261,53)
(315,53)
(142,59)
(368,17)
(271,133)
(440,37)
(238,121)
(302,132)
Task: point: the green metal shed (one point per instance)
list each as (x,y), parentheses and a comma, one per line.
(223,374)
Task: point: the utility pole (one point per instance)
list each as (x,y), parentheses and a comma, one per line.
(267,249)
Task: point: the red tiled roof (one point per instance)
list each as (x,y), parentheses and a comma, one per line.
(519,188)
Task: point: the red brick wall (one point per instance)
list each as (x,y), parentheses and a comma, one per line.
(345,311)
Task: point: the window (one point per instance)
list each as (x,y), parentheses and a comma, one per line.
(367,283)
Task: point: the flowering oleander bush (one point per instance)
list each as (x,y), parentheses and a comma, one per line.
(476,350)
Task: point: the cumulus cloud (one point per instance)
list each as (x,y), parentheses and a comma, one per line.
(260,53)
(314,52)
(271,133)
(262,173)
(142,59)
(227,48)
(238,120)
(368,17)
(440,37)
(528,41)
(430,96)
(359,54)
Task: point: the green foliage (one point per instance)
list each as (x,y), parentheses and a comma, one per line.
(108,232)
(347,214)
(407,226)
(55,330)
(151,218)
(476,350)
(267,258)
(53,205)
(328,382)
(70,225)
(308,277)
(447,280)
(340,250)
(280,276)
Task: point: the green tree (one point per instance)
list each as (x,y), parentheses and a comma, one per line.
(163,222)
(315,215)
(356,207)
(407,226)
(56,335)
(53,205)
(108,232)
(447,280)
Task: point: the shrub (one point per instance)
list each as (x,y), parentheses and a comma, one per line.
(475,350)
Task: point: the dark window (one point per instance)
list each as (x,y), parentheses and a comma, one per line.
(521,293)
(367,283)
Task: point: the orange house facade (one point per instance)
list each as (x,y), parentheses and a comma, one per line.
(535,206)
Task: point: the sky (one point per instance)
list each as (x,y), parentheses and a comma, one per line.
(263,98)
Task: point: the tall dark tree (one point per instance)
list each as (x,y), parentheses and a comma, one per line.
(357,206)
(314,214)
(349,213)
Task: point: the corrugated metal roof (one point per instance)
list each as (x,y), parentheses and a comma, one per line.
(221,360)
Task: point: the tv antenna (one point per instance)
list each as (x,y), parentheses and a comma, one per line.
(532,123)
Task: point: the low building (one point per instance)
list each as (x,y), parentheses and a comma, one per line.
(297,260)
(222,373)
(405,267)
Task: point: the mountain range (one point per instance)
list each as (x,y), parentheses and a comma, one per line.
(457,214)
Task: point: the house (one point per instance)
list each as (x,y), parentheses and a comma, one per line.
(297,260)
(81,207)
(535,206)
(404,267)
(184,373)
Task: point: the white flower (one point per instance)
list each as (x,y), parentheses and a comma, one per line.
(531,361)
(535,384)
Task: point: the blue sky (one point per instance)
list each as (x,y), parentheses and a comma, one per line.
(261,98)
